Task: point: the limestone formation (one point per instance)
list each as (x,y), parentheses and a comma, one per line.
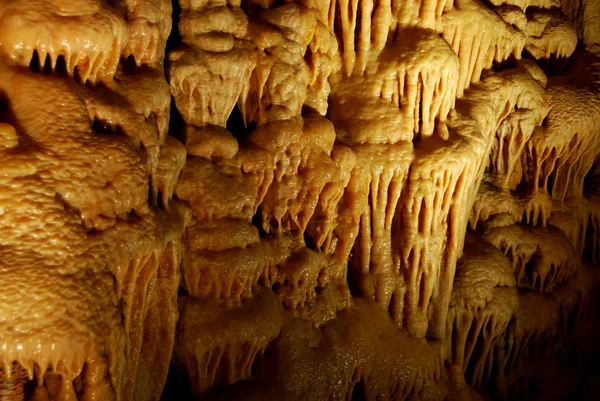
(350,199)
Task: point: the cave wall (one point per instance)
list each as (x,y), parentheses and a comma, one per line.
(299,199)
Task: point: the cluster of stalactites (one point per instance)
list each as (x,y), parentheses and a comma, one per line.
(271,189)
(543,326)
(535,205)
(525,109)
(385,183)
(106,242)
(582,15)
(476,52)
(483,302)
(401,96)
(544,34)
(563,151)
(365,28)
(141,32)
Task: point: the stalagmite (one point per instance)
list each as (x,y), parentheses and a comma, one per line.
(299,199)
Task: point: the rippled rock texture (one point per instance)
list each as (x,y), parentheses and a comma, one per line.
(299,199)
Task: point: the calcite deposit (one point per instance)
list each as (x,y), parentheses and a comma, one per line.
(299,200)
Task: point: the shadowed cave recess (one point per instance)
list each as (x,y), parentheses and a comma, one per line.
(299,200)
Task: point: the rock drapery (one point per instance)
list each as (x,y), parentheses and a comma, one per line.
(350,199)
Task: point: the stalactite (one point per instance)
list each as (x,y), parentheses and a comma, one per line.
(300,277)
(541,257)
(321,60)
(321,227)
(277,88)
(484,298)
(551,38)
(576,298)
(89,207)
(234,271)
(544,324)
(207,202)
(366,217)
(149,28)
(477,52)
(581,13)
(423,93)
(531,331)
(408,96)
(303,168)
(432,215)
(516,120)
(196,74)
(572,218)
(366,27)
(208,356)
(303,235)
(524,113)
(550,34)
(430,227)
(424,13)
(524,4)
(561,153)
(494,206)
(65,33)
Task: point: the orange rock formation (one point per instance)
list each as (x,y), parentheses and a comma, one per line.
(351,199)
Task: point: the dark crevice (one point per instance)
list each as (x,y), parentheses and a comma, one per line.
(509,63)
(529,270)
(34,64)
(310,242)
(176,386)
(358,391)
(176,123)
(257,222)
(236,124)
(353,276)
(357,24)
(182,292)
(60,67)
(588,252)
(550,183)
(104,128)
(174,39)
